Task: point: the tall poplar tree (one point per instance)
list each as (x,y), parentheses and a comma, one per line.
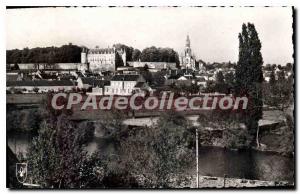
(249,76)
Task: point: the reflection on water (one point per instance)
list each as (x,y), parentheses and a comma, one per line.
(245,164)
(19,142)
(212,161)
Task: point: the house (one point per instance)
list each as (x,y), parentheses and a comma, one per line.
(172,79)
(179,79)
(13,76)
(40,86)
(123,84)
(142,87)
(201,81)
(91,82)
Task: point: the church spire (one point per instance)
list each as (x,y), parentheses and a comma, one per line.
(188,43)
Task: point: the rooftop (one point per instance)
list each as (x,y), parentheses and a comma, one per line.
(40,83)
(94,82)
(126,77)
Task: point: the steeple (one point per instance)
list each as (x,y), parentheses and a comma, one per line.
(188,43)
(188,50)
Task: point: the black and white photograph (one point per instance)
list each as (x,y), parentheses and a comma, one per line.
(150,97)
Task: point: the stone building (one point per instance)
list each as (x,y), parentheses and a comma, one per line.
(153,66)
(103,59)
(124,84)
(188,59)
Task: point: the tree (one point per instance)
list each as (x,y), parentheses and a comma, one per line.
(233,137)
(36,89)
(220,85)
(136,55)
(272,78)
(229,80)
(268,67)
(146,74)
(193,88)
(249,75)
(159,78)
(57,159)
(64,54)
(289,67)
(220,77)
(156,154)
(283,90)
(153,54)
(272,84)
(281,76)
(128,49)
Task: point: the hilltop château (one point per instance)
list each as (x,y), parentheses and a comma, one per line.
(103,59)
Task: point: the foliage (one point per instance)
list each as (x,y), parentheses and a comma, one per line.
(233,135)
(272,79)
(286,143)
(132,54)
(279,93)
(159,78)
(146,74)
(249,75)
(236,138)
(153,54)
(220,85)
(136,55)
(229,80)
(28,120)
(64,54)
(57,159)
(155,153)
(111,122)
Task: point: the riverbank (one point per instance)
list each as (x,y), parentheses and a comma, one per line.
(219,182)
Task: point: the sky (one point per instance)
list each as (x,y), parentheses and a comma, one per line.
(213,31)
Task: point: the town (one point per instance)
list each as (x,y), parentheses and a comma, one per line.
(147,103)
(106,71)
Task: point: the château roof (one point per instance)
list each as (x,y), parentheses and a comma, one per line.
(101,51)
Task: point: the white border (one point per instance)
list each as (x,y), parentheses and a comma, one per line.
(119,3)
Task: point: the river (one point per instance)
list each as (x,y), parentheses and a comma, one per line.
(213,161)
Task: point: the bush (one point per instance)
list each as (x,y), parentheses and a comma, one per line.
(236,138)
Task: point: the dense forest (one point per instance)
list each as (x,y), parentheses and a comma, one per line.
(64,54)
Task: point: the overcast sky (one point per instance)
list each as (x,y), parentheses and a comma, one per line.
(213,31)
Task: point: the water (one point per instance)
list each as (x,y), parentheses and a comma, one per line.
(213,161)
(19,142)
(245,164)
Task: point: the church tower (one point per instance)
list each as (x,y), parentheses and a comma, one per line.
(188,59)
(188,50)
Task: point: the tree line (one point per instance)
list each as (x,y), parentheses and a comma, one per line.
(150,54)
(154,54)
(64,54)
(72,54)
